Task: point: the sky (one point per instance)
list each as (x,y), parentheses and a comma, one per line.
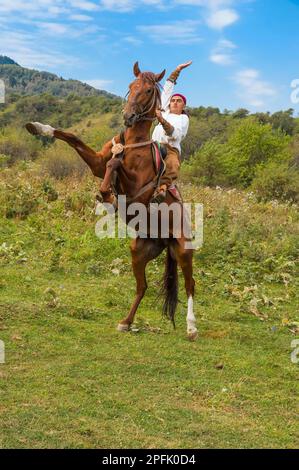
(244,52)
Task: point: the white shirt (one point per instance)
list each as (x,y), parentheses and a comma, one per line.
(180,122)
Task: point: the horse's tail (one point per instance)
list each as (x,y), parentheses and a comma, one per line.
(170,286)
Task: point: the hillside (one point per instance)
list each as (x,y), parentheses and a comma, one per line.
(25,81)
(231,149)
(4,60)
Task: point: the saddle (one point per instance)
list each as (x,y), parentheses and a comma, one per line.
(159,154)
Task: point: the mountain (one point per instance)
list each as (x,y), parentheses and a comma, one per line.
(4,60)
(25,81)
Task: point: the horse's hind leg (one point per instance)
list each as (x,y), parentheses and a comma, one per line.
(142,251)
(184,258)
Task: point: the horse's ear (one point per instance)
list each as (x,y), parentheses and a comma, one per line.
(136,69)
(159,76)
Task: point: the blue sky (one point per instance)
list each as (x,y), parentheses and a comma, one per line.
(244,52)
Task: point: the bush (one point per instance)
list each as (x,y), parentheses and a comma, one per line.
(50,191)
(4,159)
(205,166)
(20,200)
(276,181)
(17,144)
(249,146)
(61,162)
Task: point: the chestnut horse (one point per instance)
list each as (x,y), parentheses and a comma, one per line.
(135,174)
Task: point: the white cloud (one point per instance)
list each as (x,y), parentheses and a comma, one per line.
(225,43)
(252,88)
(83,5)
(118,6)
(124,6)
(98,83)
(221,55)
(221,59)
(132,40)
(206,3)
(80,17)
(27,52)
(56,11)
(45,8)
(53,28)
(178,32)
(217,14)
(220,19)
(66,30)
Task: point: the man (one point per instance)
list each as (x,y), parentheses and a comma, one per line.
(171,130)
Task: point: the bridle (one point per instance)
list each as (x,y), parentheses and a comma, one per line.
(152,103)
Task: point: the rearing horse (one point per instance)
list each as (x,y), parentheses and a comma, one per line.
(135,174)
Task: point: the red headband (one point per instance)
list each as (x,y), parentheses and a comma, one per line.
(181,96)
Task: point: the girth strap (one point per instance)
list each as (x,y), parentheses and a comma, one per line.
(150,185)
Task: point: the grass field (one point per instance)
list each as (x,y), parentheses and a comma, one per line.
(72,381)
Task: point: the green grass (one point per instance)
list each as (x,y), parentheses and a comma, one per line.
(71,380)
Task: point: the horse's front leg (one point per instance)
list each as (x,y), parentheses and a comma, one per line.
(95,160)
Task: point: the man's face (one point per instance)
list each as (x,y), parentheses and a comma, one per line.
(177,105)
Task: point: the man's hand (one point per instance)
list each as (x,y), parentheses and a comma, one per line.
(168,128)
(183,66)
(159,115)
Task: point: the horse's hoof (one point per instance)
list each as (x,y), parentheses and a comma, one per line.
(36,128)
(123,327)
(31,128)
(193,335)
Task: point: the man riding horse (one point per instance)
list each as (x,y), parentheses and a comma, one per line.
(171,130)
(138,178)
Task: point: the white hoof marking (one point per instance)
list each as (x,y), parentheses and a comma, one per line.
(191,320)
(44,129)
(121,327)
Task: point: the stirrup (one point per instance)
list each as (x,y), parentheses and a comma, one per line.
(158,196)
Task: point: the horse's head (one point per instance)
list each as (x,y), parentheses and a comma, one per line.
(143,96)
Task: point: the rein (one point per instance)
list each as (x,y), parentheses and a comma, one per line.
(118,149)
(142,116)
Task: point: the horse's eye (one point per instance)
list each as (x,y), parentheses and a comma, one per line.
(149,91)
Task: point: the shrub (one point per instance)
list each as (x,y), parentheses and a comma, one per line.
(17,144)
(20,201)
(61,162)
(276,181)
(249,146)
(205,165)
(50,191)
(4,159)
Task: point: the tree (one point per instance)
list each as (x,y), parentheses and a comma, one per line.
(206,164)
(249,146)
(284,121)
(276,180)
(241,113)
